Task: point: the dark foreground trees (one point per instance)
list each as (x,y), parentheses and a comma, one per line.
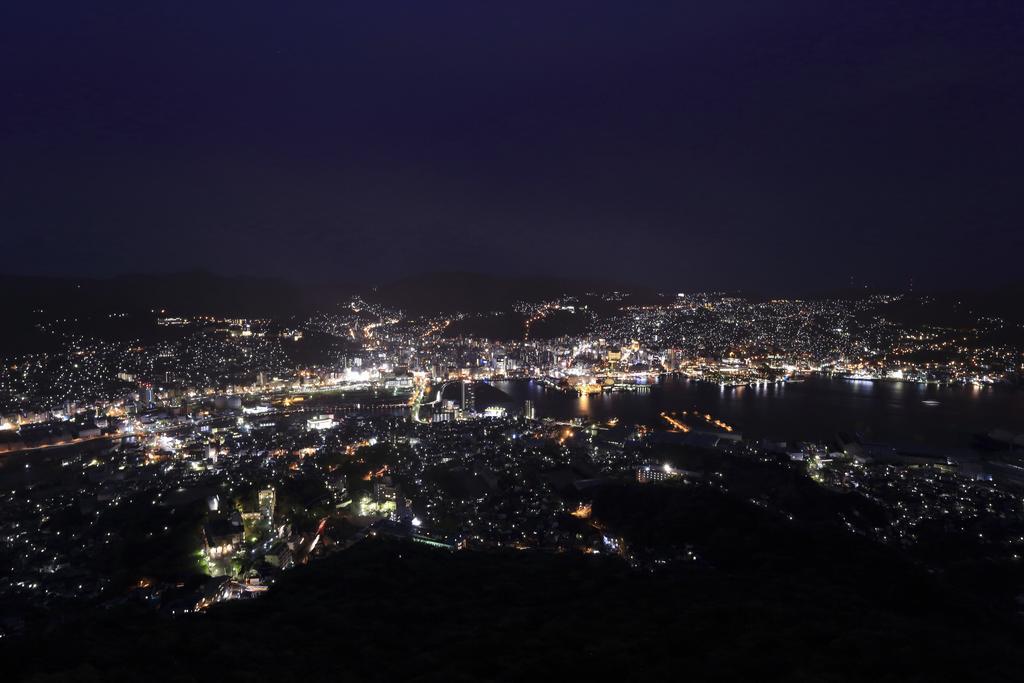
(399,611)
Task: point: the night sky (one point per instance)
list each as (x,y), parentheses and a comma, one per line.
(756,145)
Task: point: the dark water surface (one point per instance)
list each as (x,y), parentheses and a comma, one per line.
(814,409)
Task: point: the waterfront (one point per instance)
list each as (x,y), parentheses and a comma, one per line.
(814,409)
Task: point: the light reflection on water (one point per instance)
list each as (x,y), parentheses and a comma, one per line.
(814,409)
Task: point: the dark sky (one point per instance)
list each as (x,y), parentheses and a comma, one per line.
(757,145)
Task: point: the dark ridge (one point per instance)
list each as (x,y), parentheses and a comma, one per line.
(187,293)
(400,611)
(473,292)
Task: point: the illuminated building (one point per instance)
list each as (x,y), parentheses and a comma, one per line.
(267,500)
(221,536)
(468,397)
(320,422)
(648,474)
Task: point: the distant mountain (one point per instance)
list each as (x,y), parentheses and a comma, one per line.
(202,292)
(186,293)
(959,307)
(473,292)
(947,307)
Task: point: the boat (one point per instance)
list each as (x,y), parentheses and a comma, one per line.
(860,377)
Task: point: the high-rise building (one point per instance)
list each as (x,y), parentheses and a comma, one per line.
(267,500)
(529,412)
(468,397)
